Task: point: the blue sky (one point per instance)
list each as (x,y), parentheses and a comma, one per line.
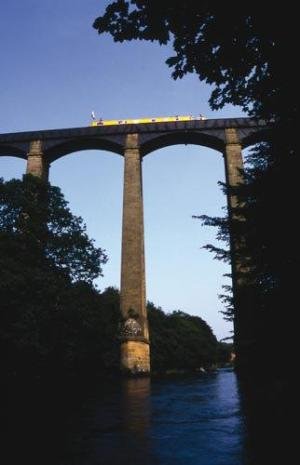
(55,70)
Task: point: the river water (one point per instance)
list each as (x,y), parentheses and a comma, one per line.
(176,421)
(182,421)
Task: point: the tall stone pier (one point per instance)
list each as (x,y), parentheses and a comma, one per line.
(135,349)
(242,296)
(37,165)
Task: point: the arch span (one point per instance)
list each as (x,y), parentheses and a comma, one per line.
(76,145)
(185,137)
(11,151)
(255,137)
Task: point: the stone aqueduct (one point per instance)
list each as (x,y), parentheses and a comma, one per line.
(133,142)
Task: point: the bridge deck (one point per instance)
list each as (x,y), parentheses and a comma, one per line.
(89,131)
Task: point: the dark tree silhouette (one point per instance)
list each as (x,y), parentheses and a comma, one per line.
(182,342)
(50,312)
(241,49)
(35,213)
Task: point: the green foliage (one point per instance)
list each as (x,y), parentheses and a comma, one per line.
(224,352)
(180,341)
(240,51)
(49,324)
(51,316)
(36,216)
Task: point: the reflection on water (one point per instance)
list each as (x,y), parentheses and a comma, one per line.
(191,421)
(136,423)
(136,406)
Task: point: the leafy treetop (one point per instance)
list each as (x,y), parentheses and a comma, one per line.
(36,215)
(241,51)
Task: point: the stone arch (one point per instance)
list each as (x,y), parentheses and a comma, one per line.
(185,137)
(75,145)
(12,151)
(255,137)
